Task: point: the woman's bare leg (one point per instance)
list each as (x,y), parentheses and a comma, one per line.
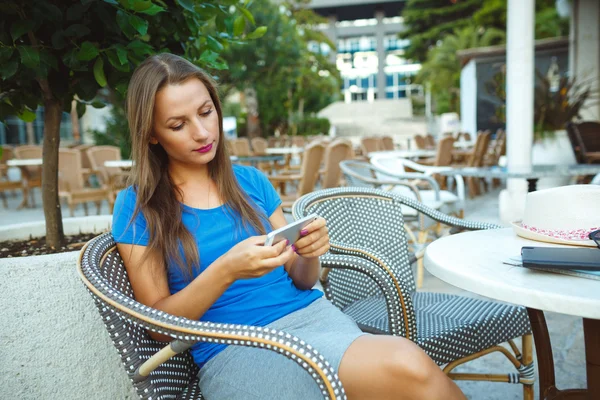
(390,367)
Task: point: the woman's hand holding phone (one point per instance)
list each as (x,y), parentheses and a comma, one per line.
(314,239)
(251,259)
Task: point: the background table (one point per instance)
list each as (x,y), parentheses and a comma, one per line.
(530,174)
(410,154)
(473,261)
(22,164)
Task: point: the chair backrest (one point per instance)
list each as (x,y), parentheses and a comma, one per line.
(430,140)
(174,379)
(241,147)
(363,218)
(259,146)
(8,153)
(444,151)
(584,137)
(311,163)
(85,159)
(29,152)
(387,143)
(273,141)
(98,155)
(420,142)
(479,150)
(370,144)
(353,170)
(70,175)
(298,141)
(467,136)
(336,151)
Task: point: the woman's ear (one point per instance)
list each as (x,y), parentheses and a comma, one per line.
(153,140)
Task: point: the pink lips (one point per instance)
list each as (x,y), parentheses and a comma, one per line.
(204,149)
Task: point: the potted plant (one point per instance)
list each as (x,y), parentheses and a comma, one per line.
(557,100)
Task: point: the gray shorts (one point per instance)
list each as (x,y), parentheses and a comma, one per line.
(248,373)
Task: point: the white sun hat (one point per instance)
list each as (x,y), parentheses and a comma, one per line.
(562,215)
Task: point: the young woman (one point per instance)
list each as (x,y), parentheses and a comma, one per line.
(191,230)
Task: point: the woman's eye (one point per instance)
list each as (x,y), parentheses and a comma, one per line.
(207,113)
(178,127)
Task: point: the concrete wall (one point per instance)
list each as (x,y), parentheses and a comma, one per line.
(54,345)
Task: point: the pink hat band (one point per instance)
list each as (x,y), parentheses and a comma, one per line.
(573,234)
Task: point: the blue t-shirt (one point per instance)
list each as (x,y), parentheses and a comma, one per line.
(257,301)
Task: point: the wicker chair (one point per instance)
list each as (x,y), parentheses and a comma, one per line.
(585,140)
(380,294)
(161,371)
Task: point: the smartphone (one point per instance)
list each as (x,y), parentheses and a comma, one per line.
(561,258)
(289,232)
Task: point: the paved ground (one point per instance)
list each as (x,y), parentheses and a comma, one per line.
(565,331)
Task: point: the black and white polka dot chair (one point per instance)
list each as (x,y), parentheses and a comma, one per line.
(161,371)
(379,292)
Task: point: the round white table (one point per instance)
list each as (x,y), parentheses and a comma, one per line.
(284,150)
(405,153)
(125,164)
(473,261)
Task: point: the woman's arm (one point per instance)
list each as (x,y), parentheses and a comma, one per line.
(304,266)
(150,284)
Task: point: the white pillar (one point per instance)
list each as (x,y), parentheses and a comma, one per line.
(519,101)
(333,36)
(380,35)
(584,49)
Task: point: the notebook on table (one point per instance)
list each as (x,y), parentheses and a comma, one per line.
(582,262)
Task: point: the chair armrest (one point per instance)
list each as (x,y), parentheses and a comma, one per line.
(402,321)
(284,178)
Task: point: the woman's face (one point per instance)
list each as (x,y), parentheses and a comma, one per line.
(186,123)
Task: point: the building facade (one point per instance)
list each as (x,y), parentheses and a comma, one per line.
(368,54)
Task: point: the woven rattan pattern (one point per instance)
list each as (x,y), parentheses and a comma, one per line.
(367,223)
(126,320)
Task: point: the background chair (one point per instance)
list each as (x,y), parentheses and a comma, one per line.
(159,370)
(5,183)
(335,152)
(113,178)
(71,184)
(370,144)
(421,142)
(306,179)
(387,143)
(585,140)
(378,291)
(259,145)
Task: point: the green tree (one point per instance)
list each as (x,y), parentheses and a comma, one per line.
(54,51)
(442,66)
(428,21)
(287,78)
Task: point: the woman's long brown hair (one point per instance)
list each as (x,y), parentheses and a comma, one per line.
(157,195)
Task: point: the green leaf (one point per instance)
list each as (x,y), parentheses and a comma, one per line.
(153,10)
(219,65)
(140,48)
(220,22)
(238,26)
(121,54)
(123,22)
(115,62)
(77,30)
(214,44)
(140,24)
(6,53)
(9,68)
(258,33)
(20,27)
(87,52)
(99,72)
(30,57)
(58,40)
(113,2)
(187,4)
(98,104)
(247,14)
(208,56)
(27,115)
(75,12)
(80,107)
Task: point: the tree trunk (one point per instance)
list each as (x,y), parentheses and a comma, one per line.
(54,227)
(253,119)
